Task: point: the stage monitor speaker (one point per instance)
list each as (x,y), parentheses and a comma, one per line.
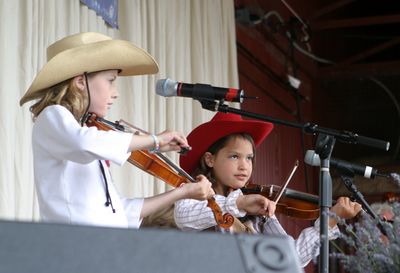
(54,248)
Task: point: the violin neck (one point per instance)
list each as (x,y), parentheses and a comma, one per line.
(114,125)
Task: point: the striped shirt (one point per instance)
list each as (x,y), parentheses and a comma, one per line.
(194,215)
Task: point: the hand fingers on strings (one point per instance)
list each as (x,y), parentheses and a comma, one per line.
(343,201)
(351,204)
(206,186)
(351,207)
(177,142)
(357,207)
(179,139)
(182,142)
(270,208)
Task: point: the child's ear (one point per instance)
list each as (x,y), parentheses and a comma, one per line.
(79,81)
(209,159)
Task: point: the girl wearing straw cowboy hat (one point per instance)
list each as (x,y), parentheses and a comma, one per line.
(224,151)
(69,158)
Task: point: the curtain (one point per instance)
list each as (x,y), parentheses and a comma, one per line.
(193,41)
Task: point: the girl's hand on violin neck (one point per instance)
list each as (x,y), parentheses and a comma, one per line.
(172,141)
(163,142)
(256,204)
(345,209)
(201,190)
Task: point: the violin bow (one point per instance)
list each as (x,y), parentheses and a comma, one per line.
(279,194)
(282,189)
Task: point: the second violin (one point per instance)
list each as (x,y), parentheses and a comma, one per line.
(293,203)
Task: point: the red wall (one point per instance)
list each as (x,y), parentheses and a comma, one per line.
(262,73)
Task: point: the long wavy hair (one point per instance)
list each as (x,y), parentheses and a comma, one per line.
(202,167)
(66,94)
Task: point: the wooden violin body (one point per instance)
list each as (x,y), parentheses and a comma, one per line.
(293,203)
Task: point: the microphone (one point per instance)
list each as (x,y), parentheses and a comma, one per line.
(198,91)
(312,158)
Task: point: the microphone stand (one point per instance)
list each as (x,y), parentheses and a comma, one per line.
(324,146)
(342,136)
(347,179)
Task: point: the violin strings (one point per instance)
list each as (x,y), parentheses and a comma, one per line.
(133,126)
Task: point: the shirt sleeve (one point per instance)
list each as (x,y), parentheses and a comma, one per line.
(133,207)
(191,214)
(307,244)
(57,131)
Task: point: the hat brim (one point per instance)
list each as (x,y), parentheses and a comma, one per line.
(103,55)
(203,136)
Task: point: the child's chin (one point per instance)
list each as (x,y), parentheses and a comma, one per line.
(102,114)
(239,185)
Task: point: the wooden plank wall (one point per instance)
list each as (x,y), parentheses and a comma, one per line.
(262,73)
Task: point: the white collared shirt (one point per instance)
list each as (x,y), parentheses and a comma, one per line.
(68,178)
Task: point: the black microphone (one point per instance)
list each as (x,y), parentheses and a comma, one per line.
(312,158)
(198,91)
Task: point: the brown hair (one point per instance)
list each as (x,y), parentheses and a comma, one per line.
(202,167)
(66,94)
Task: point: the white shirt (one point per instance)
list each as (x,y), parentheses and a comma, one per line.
(191,215)
(68,178)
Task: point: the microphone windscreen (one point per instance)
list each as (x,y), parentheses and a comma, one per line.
(311,158)
(166,87)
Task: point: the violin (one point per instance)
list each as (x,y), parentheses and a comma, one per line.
(293,203)
(160,167)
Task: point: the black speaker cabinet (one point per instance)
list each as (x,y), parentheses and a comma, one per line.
(54,248)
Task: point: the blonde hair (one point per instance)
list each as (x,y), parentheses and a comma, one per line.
(160,219)
(66,94)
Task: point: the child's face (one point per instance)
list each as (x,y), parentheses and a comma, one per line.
(103,91)
(232,165)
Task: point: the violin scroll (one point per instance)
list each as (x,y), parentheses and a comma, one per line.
(223,220)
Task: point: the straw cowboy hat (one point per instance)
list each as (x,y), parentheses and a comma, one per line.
(221,125)
(89,52)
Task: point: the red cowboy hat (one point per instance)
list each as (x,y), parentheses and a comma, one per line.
(221,125)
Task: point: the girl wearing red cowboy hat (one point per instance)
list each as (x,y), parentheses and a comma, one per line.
(224,151)
(71,176)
